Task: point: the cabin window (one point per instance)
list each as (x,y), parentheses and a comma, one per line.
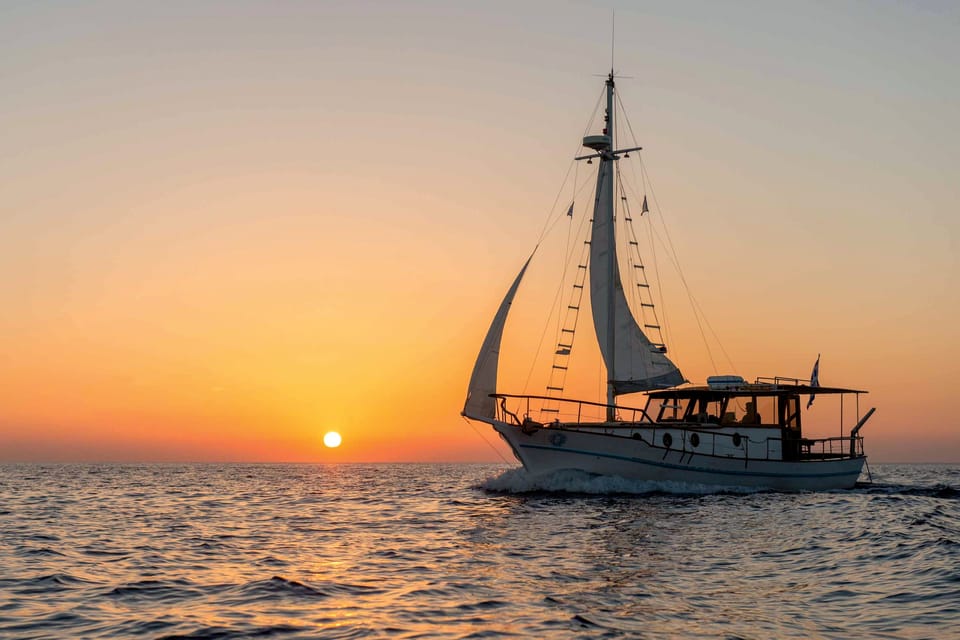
(767,410)
(705,411)
(667,409)
(750,411)
(790,412)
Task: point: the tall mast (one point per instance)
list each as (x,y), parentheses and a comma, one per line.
(610,308)
(606,170)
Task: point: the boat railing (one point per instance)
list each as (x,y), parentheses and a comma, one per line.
(831,448)
(835,448)
(546,410)
(535,412)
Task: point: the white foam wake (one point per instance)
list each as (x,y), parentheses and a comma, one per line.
(519,480)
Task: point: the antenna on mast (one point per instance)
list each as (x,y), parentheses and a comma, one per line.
(613,35)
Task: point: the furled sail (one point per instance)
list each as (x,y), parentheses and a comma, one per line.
(483,381)
(633,362)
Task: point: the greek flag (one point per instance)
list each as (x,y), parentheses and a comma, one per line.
(814,380)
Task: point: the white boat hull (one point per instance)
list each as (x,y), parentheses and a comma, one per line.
(554,449)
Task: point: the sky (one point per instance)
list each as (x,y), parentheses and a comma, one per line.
(227,228)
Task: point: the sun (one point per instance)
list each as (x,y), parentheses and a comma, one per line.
(332,439)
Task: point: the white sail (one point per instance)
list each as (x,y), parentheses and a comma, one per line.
(483,381)
(633,362)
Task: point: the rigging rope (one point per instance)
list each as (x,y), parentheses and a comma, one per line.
(665,333)
(556,297)
(646,311)
(547,226)
(482,437)
(698,312)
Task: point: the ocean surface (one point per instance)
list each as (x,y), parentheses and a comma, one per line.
(468,551)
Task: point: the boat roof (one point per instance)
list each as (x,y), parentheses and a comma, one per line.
(742,390)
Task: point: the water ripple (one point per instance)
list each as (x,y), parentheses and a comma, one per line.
(468,551)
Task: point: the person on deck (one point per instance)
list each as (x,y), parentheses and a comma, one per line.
(751,417)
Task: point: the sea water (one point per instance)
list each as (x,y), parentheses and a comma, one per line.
(468,551)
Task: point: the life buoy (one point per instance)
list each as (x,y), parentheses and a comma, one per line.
(667,440)
(736,439)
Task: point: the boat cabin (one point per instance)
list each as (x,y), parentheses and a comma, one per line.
(759,404)
(724,418)
(769,404)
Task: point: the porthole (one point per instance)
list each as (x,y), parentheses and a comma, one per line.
(667,440)
(694,439)
(736,439)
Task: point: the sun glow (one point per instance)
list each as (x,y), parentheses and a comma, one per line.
(332,439)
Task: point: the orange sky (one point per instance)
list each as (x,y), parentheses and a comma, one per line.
(226,230)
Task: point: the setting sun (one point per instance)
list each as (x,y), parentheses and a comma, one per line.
(332,439)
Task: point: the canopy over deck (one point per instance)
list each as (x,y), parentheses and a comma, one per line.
(748,390)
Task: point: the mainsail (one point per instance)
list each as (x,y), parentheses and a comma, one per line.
(633,362)
(483,381)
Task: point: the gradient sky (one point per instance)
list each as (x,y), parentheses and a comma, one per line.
(228,227)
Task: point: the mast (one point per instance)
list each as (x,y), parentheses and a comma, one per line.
(632,361)
(606,173)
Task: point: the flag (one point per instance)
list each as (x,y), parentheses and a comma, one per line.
(570,210)
(814,380)
(645,208)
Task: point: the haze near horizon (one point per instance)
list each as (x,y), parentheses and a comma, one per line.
(230,228)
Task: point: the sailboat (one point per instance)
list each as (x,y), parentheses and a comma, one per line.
(725,433)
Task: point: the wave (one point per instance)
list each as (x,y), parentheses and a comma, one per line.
(40,551)
(45,584)
(156,590)
(935,491)
(280,586)
(571,481)
(472,551)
